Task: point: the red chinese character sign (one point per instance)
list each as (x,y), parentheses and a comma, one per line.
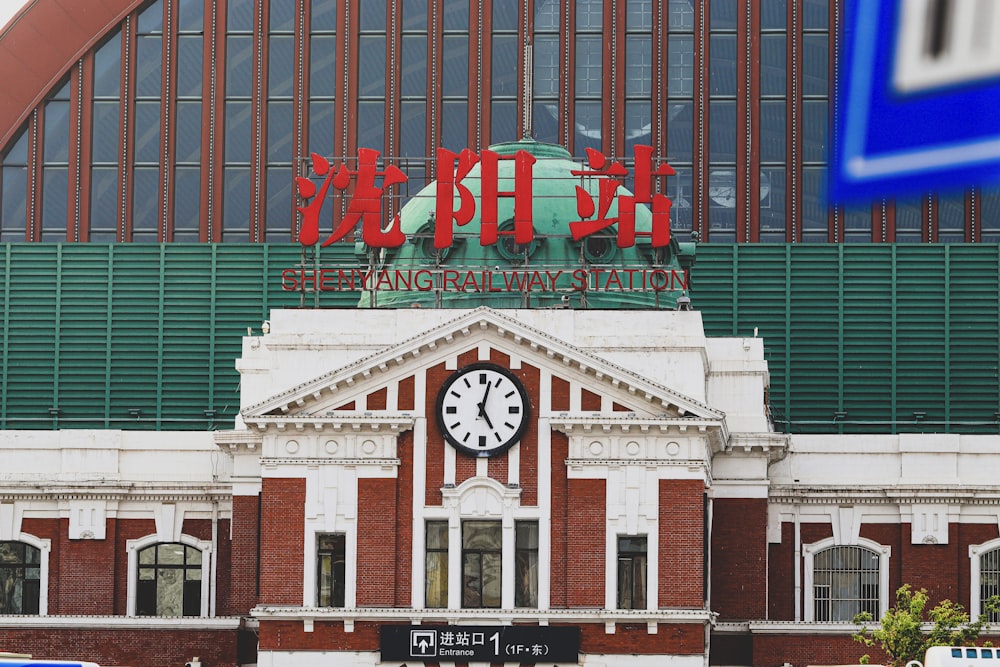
(456,205)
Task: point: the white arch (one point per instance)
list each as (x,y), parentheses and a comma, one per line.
(809,552)
(44,548)
(133,548)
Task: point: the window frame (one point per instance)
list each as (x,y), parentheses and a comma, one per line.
(133,547)
(341,551)
(44,547)
(976,552)
(809,552)
(634,560)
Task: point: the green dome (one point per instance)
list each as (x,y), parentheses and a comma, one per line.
(552,270)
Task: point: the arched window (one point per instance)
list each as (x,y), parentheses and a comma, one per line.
(843,581)
(985,567)
(169,578)
(169,581)
(20,578)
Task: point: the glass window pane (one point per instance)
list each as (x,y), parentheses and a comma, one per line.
(151,19)
(772,204)
(280,129)
(722,68)
(56,148)
(415,15)
(503,122)
(238,132)
(236,207)
(455,69)
(639,66)
(279,205)
(13,221)
(371,81)
(588,126)
(145,199)
(321,127)
(372,16)
(413,129)
(639,15)
(282,17)
(951,218)
(815,14)
(322,66)
(681,15)
(324,15)
(505,16)
(505,69)
(772,131)
(547,14)
(680,131)
(679,190)
(989,206)
(545,122)
(858,225)
(187,205)
(772,15)
(680,66)
(724,14)
(545,63)
(910,220)
(589,14)
(189,126)
(106,133)
(815,130)
(104,199)
(107,68)
(189,59)
(814,211)
(455,125)
(149,59)
(239,15)
(55,192)
(371,125)
(147,132)
(281,65)
(589,80)
(191,15)
(722,131)
(456,15)
(239,65)
(815,61)
(772,65)
(638,125)
(414,66)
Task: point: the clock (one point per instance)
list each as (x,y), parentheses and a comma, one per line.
(483,409)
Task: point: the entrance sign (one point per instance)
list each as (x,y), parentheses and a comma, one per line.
(918,95)
(454,169)
(480,643)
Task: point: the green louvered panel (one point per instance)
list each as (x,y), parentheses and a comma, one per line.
(814,338)
(922,311)
(31,357)
(867,339)
(973,318)
(136,336)
(186,368)
(84,311)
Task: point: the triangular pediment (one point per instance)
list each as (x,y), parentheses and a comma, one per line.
(335,394)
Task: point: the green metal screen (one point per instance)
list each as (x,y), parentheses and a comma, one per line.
(859,339)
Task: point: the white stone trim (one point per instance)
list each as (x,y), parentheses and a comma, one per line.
(133,547)
(810,550)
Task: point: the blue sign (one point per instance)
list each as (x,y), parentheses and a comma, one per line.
(919,100)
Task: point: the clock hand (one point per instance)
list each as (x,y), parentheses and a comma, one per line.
(482,405)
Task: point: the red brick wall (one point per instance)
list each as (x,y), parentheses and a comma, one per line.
(377,548)
(86,572)
(585,533)
(244,565)
(531,377)
(560,394)
(405,394)
(140,647)
(124,531)
(282,537)
(682,543)
(404,521)
(781,582)
(800,650)
(739,558)
(434,473)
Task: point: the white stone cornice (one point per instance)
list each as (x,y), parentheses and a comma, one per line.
(238,440)
(131,492)
(121,622)
(482,616)
(336,422)
(775,445)
(800,628)
(268,462)
(908,494)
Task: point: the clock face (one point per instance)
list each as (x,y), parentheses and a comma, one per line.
(483,409)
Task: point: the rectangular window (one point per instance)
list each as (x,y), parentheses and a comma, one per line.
(436,565)
(481,556)
(331,553)
(526,564)
(632,572)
